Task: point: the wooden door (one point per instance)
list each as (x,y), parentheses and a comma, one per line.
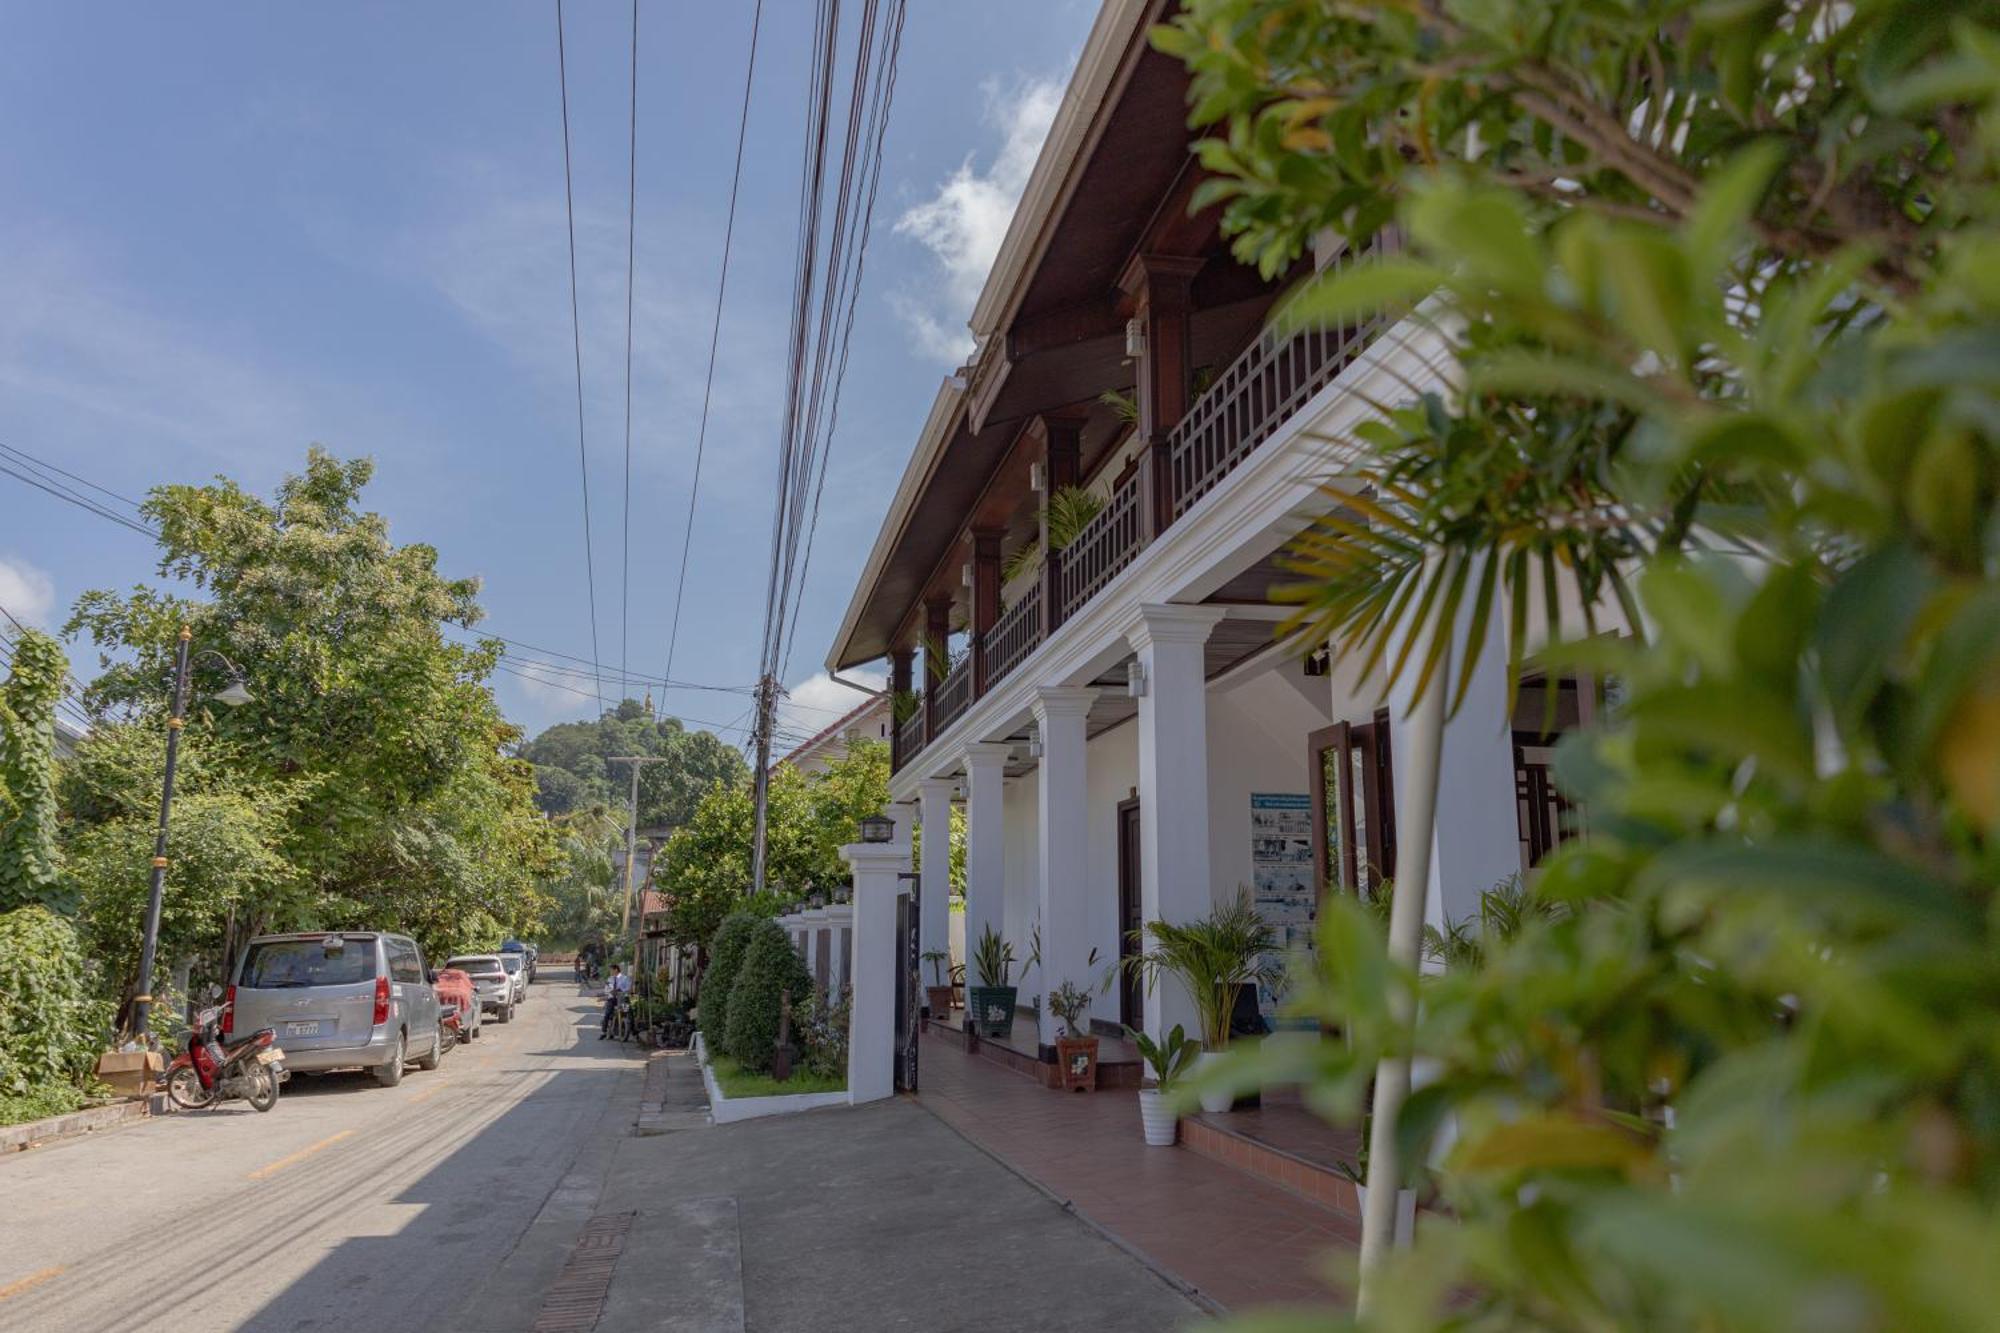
(1354,805)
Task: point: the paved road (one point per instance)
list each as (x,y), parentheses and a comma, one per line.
(349,1206)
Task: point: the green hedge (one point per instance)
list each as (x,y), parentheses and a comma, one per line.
(771,966)
(725,955)
(51,1030)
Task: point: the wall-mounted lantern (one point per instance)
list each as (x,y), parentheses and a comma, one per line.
(877,828)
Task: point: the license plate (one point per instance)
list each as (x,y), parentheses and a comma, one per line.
(302,1029)
(270,1056)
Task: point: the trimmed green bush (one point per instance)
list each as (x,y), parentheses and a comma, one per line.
(725,954)
(771,966)
(51,1030)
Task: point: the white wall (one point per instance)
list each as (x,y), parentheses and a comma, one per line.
(1114,772)
(1257,731)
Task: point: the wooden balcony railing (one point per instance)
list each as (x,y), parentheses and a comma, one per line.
(1259,391)
(909,737)
(1105,546)
(1014,635)
(954,694)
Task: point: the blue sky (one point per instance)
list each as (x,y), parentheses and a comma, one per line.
(229,232)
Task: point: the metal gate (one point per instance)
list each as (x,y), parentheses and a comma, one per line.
(909,990)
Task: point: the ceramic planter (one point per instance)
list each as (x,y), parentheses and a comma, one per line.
(1078,1058)
(1159,1120)
(1213,1100)
(939,998)
(991,1009)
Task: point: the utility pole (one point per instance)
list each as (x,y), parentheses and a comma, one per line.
(767,694)
(638,761)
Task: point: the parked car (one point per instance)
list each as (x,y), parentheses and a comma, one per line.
(455,989)
(526,950)
(517,968)
(339,1000)
(490,981)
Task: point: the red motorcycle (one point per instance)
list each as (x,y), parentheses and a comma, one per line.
(208,1073)
(452,1027)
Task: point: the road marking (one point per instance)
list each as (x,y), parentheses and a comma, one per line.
(15,1288)
(274,1168)
(427,1094)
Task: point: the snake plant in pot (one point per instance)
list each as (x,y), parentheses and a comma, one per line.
(990,1004)
(1214,959)
(1167,1060)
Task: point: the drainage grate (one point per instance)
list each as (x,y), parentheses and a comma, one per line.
(576,1298)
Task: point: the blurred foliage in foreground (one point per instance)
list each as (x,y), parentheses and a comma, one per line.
(1722,280)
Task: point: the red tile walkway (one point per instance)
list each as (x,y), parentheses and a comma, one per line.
(1237,1240)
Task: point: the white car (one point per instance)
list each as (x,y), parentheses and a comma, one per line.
(491,981)
(516,965)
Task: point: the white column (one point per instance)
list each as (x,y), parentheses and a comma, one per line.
(985,844)
(1173,785)
(1064,822)
(934,808)
(871,1033)
(839,929)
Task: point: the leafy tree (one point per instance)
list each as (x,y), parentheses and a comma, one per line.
(1720,282)
(588,901)
(718,980)
(28,864)
(573,768)
(51,1028)
(705,868)
(375,735)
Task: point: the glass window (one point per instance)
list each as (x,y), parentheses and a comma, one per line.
(404,964)
(285,964)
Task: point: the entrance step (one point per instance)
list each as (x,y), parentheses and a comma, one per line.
(1118,1065)
(1283,1144)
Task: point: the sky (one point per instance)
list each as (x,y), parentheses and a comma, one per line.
(230,232)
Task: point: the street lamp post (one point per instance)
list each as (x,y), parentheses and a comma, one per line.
(233,694)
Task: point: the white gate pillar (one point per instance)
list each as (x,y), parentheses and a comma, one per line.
(985,845)
(871,1031)
(1173,786)
(1064,817)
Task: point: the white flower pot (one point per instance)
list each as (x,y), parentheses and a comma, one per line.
(1159,1119)
(1406,1213)
(1213,1100)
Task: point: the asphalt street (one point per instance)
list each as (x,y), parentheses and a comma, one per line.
(348,1206)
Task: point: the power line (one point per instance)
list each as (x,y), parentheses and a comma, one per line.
(62,492)
(576,342)
(714,335)
(631,271)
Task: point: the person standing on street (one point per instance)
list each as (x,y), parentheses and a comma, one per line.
(616,987)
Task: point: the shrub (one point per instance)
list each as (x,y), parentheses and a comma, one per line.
(725,955)
(51,1029)
(821,1024)
(771,967)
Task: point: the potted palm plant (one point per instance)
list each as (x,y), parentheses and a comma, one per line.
(1076,1049)
(1214,958)
(1167,1060)
(990,1004)
(938,992)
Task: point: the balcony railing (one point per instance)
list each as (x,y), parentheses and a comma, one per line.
(1105,546)
(954,694)
(1263,388)
(1014,636)
(909,737)
(1259,391)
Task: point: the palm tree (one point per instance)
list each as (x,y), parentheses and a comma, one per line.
(1214,958)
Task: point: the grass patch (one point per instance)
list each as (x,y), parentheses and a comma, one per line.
(737,1081)
(59,1099)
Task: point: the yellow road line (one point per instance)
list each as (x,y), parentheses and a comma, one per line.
(15,1288)
(275,1167)
(427,1094)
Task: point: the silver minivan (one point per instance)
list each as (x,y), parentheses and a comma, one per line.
(340,1000)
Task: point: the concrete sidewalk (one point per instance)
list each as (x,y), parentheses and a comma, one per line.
(876,1217)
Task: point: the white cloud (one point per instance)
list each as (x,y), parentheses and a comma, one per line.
(816,703)
(963,223)
(28,593)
